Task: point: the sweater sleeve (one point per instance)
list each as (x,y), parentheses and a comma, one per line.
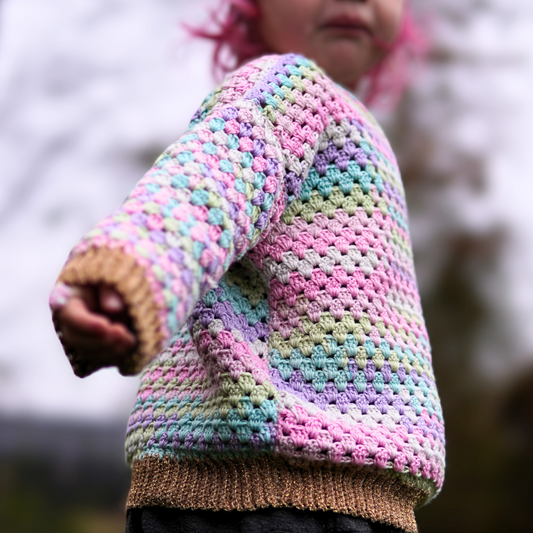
(207,200)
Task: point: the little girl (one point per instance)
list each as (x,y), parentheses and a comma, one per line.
(267,254)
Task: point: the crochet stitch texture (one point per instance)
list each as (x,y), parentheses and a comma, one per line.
(268,248)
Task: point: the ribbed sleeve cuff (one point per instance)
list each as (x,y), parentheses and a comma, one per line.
(119,270)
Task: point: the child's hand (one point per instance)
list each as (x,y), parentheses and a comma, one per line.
(93,327)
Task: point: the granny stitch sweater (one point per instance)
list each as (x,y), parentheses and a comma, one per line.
(268,248)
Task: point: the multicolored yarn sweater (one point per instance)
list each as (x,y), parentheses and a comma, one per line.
(268,248)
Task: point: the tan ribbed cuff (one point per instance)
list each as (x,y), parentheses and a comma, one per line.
(120,271)
(248,484)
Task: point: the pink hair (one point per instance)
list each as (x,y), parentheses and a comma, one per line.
(236,41)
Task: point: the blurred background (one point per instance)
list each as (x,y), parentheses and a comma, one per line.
(92,91)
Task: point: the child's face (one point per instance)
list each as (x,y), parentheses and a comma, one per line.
(340,35)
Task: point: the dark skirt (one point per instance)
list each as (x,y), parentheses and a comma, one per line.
(162,520)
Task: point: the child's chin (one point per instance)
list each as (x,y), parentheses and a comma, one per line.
(342,62)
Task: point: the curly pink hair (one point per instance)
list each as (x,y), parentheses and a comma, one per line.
(236,37)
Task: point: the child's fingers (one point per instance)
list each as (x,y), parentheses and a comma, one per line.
(93,326)
(76,316)
(120,334)
(107,349)
(79,324)
(87,344)
(110,300)
(86,294)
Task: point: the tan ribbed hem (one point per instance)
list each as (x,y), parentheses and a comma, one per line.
(248,484)
(120,271)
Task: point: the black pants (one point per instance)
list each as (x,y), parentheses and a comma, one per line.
(161,520)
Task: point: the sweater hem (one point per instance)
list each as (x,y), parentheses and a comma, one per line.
(254,483)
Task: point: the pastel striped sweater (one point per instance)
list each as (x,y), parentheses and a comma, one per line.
(267,254)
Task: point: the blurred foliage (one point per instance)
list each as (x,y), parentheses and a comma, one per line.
(488,416)
(489,426)
(489,423)
(63,488)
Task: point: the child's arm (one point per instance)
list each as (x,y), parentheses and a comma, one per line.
(203,204)
(208,199)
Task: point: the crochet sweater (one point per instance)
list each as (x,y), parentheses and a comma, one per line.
(267,254)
